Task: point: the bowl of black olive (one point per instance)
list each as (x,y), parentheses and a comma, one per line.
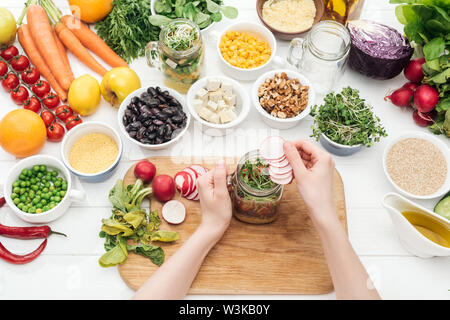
(153,117)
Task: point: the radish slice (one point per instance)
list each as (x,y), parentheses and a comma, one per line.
(192,172)
(199,169)
(173,212)
(283,181)
(193,196)
(279,164)
(280,171)
(271,148)
(181,181)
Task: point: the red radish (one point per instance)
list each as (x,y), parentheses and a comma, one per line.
(411,85)
(280,164)
(199,169)
(271,148)
(163,187)
(145,170)
(423,119)
(401,97)
(283,181)
(280,171)
(173,212)
(413,71)
(183,182)
(425,98)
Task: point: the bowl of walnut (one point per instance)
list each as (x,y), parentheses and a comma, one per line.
(283,98)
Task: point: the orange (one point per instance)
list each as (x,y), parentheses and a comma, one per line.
(90,11)
(22,133)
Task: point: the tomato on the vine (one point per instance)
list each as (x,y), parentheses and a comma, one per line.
(9,53)
(72,121)
(20,63)
(19,94)
(48,117)
(50,100)
(32,104)
(63,112)
(55,132)
(10,82)
(31,75)
(3,68)
(41,88)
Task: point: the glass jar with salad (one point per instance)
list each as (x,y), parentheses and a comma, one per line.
(255,197)
(178,54)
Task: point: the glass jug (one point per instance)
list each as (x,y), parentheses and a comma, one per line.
(322,55)
(342,10)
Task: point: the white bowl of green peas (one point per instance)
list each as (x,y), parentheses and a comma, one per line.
(39,189)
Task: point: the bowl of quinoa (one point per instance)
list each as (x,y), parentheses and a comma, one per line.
(418,165)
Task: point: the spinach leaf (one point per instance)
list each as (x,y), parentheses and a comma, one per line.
(434,48)
(154,253)
(230,12)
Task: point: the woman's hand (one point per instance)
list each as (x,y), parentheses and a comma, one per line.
(314,174)
(215,200)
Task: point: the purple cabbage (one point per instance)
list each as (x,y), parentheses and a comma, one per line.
(377,51)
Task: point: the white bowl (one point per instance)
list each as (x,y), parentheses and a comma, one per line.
(276,122)
(242,106)
(439,144)
(262,33)
(152,9)
(164,145)
(56,212)
(76,133)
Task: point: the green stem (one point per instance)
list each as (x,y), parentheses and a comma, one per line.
(52,12)
(24,11)
(59,233)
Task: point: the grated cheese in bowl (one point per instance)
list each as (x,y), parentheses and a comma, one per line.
(289,15)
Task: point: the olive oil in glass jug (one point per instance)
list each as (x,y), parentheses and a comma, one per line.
(342,10)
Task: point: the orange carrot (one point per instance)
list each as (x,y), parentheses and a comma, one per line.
(42,34)
(62,50)
(27,43)
(92,41)
(72,43)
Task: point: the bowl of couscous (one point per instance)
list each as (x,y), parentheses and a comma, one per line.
(92,151)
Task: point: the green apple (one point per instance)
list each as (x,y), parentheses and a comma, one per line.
(118,83)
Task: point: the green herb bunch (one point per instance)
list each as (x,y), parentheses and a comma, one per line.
(180,37)
(346,119)
(127,28)
(255,175)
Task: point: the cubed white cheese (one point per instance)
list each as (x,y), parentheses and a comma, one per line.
(227,115)
(227,88)
(222,104)
(201,94)
(213,85)
(215,118)
(215,95)
(171,63)
(230,100)
(206,114)
(198,104)
(212,105)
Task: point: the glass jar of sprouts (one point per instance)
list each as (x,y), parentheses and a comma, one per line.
(178,54)
(255,197)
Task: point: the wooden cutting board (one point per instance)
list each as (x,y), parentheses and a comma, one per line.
(283,257)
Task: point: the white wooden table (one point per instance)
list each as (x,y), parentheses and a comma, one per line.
(68,268)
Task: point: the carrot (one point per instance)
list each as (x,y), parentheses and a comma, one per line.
(27,43)
(72,43)
(62,50)
(42,34)
(92,41)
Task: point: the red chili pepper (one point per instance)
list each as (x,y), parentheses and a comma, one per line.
(27,232)
(2,201)
(18,259)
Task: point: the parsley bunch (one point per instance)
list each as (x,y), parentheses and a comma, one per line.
(346,119)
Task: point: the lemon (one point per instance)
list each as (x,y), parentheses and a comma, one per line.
(84,95)
(8,27)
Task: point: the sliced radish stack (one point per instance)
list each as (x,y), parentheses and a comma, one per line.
(271,149)
(186,181)
(173,212)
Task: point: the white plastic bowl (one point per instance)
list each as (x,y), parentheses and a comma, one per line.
(439,144)
(276,122)
(242,106)
(164,145)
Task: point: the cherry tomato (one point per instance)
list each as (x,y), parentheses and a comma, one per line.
(50,100)
(20,63)
(72,121)
(48,117)
(10,82)
(9,53)
(31,75)
(32,104)
(19,94)
(41,88)
(63,112)
(55,132)
(3,68)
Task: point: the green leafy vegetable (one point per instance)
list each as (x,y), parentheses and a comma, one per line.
(255,174)
(346,119)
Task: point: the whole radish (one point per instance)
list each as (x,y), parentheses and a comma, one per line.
(425,98)
(163,187)
(411,85)
(413,71)
(401,97)
(145,170)
(423,119)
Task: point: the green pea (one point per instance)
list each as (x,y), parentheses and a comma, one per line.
(62,194)
(23,184)
(40,175)
(43,168)
(47,184)
(55,173)
(44,201)
(39,205)
(16,201)
(46,208)
(58,183)
(52,205)
(14,195)
(16,189)
(36,168)
(20,206)
(64,186)
(45,190)
(39,210)
(51,188)
(22,191)
(57,199)
(35,187)
(16,184)
(32,210)
(23,198)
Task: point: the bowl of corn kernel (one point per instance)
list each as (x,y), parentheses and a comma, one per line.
(247,50)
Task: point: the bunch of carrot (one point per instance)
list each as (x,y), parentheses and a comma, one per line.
(46,36)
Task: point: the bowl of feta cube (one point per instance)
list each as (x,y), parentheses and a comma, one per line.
(218,104)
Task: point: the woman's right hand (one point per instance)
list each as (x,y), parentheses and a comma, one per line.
(314,174)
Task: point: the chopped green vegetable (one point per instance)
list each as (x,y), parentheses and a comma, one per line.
(255,174)
(180,37)
(443,207)
(346,119)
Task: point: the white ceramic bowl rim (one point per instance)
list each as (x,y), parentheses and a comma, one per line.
(138,92)
(439,144)
(63,170)
(291,73)
(88,124)
(256,25)
(245,108)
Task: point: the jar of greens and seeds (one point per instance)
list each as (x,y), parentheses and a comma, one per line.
(178,54)
(255,197)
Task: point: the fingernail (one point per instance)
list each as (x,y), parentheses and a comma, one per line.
(287,145)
